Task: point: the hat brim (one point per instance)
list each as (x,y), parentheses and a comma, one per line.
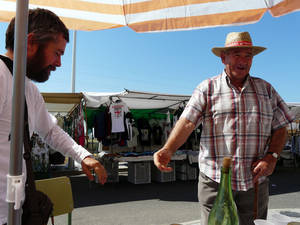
(256,49)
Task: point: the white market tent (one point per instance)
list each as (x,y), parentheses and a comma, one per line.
(136,99)
(62,102)
(65,102)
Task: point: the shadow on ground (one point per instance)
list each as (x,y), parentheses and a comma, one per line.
(86,193)
(285,180)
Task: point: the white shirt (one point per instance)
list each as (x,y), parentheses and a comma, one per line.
(40,122)
(117,111)
(133,142)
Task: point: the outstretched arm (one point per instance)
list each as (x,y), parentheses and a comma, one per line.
(178,136)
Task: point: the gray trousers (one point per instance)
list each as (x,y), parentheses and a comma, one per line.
(244,200)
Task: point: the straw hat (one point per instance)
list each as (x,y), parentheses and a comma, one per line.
(238,40)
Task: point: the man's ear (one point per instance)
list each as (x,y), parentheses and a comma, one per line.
(32,45)
(223,57)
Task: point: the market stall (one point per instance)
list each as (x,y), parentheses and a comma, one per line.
(149,115)
(147,119)
(126,127)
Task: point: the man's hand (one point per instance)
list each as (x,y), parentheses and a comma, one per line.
(263,167)
(89,164)
(161,159)
(266,165)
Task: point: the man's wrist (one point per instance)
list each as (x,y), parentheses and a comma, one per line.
(273,154)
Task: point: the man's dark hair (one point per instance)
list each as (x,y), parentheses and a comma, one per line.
(44,24)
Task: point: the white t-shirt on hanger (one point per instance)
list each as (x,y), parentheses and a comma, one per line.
(117,111)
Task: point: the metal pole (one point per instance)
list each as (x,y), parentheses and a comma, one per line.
(73,62)
(17,122)
(70,160)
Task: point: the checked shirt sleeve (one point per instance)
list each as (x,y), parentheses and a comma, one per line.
(195,107)
(282,115)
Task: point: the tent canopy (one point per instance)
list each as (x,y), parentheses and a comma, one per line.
(136,99)
(156,15)
(142,104)
(64,102)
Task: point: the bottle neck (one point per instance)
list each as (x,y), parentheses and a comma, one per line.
(225,183)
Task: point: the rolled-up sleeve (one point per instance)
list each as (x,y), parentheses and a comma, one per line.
(196,105)
(282,114)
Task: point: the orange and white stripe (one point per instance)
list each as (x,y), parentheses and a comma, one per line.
(155,15)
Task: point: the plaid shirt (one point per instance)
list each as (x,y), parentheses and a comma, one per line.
(235,123)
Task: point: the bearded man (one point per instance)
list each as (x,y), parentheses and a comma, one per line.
(46,42)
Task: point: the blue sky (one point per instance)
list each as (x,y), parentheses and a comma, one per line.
(175,62)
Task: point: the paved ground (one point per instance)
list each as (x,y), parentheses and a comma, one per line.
(124,203)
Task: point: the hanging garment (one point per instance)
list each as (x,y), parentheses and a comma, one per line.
(144,131)
(117,111)
(79,126)
(157,134)
(177,114)
(133,142)
(60,120)
(99,124)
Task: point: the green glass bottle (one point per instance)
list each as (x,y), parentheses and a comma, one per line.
(224,211)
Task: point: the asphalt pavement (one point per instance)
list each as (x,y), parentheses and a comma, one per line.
(124,203)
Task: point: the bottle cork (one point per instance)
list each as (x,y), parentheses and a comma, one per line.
(226,162)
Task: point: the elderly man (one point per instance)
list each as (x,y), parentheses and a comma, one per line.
(243,117)
(47,39)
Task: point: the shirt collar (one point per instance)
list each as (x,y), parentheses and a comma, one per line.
(227,80)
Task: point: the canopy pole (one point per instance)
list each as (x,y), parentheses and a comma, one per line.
(17,122)
(73,75)
(86,120)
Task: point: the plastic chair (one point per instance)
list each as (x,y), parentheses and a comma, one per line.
(59,190)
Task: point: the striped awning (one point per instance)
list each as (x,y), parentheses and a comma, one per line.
(155,15)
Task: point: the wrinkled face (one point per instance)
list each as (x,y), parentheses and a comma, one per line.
(45,59)
(237,63)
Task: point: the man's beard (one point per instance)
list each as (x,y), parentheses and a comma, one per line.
(36,70)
